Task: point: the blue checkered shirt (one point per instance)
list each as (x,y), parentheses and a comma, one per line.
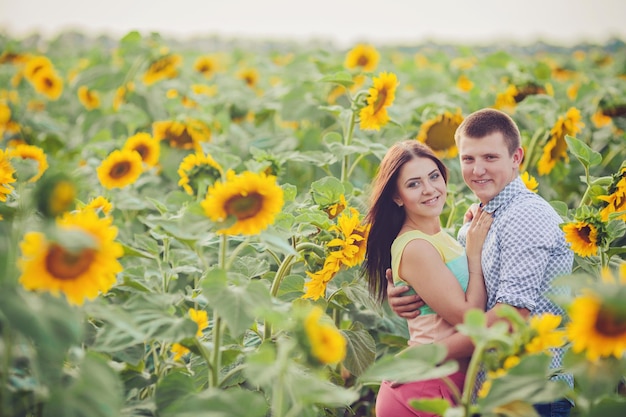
(524,251)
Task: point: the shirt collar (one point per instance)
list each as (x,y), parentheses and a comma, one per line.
(503,197)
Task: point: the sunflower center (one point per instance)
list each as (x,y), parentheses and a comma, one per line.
(584,234)
(143,150)
(244,207)
(184,140)
(48,82)
(66,265)
(609,323)
(362,61)
(120,170)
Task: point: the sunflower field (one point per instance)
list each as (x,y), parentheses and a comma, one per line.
(181,223)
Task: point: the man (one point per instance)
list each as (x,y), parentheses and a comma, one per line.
(525,249)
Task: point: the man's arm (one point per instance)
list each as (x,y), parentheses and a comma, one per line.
(405,306)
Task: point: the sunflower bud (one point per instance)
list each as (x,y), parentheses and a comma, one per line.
(55,194)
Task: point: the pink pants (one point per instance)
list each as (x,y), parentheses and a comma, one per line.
(394,401)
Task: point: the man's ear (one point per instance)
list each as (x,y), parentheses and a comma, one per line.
(518,156)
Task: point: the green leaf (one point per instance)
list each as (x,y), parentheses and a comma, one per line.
(584,153)
(326,191)
(416,363)
(344,78)
(213,402)
(361,351)
(172,387)
(432,405)
(96,392)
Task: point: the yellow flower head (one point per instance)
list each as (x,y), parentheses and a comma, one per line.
(583,237)
(351,244)
(337,208)
(596,328)
(88,98)
(250,200)
(615,201)
(31,153)
(81,264)
(48,83)
(207,65)
(547,336)
(6,176)
(363,57)
(146,146)
(201,318)
(530,182)
(381,95)
(119,98)
(120,168)
(100,204)
(328,345)
(180,135)
(505,101)
(179,351)
(316,287)
(196,169)
(438,134)
(249,75)
(163,68)
(556,147)
(34,65)
(464,84)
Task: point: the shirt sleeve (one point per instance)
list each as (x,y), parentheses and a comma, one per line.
(526,243)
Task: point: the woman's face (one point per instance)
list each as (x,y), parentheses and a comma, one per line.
(421,188)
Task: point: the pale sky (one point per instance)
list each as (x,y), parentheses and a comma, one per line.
(341,21)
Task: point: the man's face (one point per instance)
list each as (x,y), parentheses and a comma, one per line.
(487,166)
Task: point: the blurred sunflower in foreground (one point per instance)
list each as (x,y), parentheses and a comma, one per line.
(598,317)
(80,260)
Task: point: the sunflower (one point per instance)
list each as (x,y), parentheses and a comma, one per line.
(204,90)
(88,98)
(363,57)
(120,168)
(55,194)
(530,182)
(335,209)
(381,95)
(505,101)
(206,65)
(349,247)
(572,91)
(556,147)
(186,135)
(146,146)
(47,82)
(583,237)
(81,264)
(179,351)
(100,205)
(596,327)
(201,318)
(5,117)
(328,345)
(250,200)
(196,169)
(615,202)
(600,119)
(34,65)
(119,98)
(438,133)
(316,287)
(162,68)
(31,153)
(6,176)
(546,335)
(249,75)
(464,84)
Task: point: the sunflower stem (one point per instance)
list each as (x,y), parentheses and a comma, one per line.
(347,139)
(278,278)
(585,197)
(470,378)
(217,323)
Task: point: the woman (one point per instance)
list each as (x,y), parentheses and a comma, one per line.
(408,196)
